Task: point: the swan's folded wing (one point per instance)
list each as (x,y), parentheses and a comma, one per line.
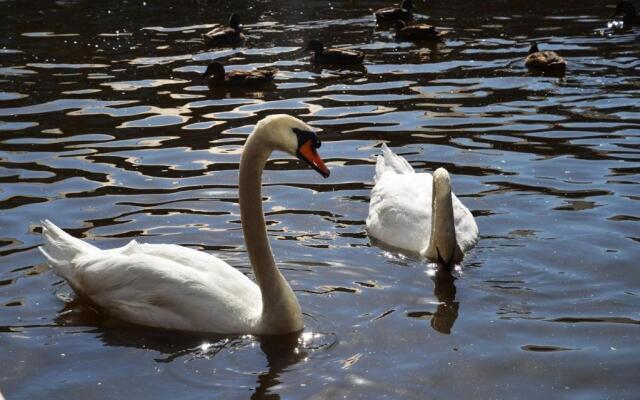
(186,256)
(389,161)
(466,228)
(399,211)
(158,291)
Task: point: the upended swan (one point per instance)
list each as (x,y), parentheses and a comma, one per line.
(174,287)
(416,212)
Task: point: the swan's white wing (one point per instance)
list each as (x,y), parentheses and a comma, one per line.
(466,228)
(165,286)
(141,284)
(199,260)
(400,213)
(400,210)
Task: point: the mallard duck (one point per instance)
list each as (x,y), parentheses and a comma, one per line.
(333,56)
(546,62)
(225,36)
(418,32)
(392,14)
(219,78)
(627,11)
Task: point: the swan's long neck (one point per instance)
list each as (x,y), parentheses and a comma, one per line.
(443,246)
(281,312)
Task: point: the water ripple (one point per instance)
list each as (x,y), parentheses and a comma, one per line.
(107,128)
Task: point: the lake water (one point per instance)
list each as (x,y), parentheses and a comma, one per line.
(107,130)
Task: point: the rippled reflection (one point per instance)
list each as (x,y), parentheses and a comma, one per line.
(106,128)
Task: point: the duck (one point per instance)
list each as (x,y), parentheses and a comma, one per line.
(418,32)
(627,11)
(220,37)
(333,56)
(172,287)
(390,15)
(218,78)
(546,62)
(417,213)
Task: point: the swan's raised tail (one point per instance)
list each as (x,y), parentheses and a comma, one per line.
(389,161)
(60,249)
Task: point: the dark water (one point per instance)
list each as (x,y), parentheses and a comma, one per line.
(106,130)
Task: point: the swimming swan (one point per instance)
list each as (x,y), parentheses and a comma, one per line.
(418,213)
(174,287)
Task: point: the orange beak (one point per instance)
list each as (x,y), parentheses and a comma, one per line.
(308,154)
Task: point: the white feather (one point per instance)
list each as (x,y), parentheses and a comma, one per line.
(400,207)
(160,285)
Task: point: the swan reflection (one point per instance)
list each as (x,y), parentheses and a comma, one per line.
(281,351)
(445,316)
(447,312)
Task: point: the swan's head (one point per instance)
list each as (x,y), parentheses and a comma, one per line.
(286,133)
(533,48)
(407,5)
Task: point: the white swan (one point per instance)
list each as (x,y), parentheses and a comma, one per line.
(174,287)
(418,213)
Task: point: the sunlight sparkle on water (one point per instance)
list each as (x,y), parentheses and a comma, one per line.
(205,346)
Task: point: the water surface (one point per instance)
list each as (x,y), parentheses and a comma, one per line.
(106,129)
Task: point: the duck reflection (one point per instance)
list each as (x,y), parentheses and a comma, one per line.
(281,351)
(445,291)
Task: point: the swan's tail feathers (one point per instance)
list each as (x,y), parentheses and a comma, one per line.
(389,161)
(60,248)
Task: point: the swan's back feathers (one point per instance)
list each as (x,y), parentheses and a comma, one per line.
(391,162)
(400,207)
(137,283)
